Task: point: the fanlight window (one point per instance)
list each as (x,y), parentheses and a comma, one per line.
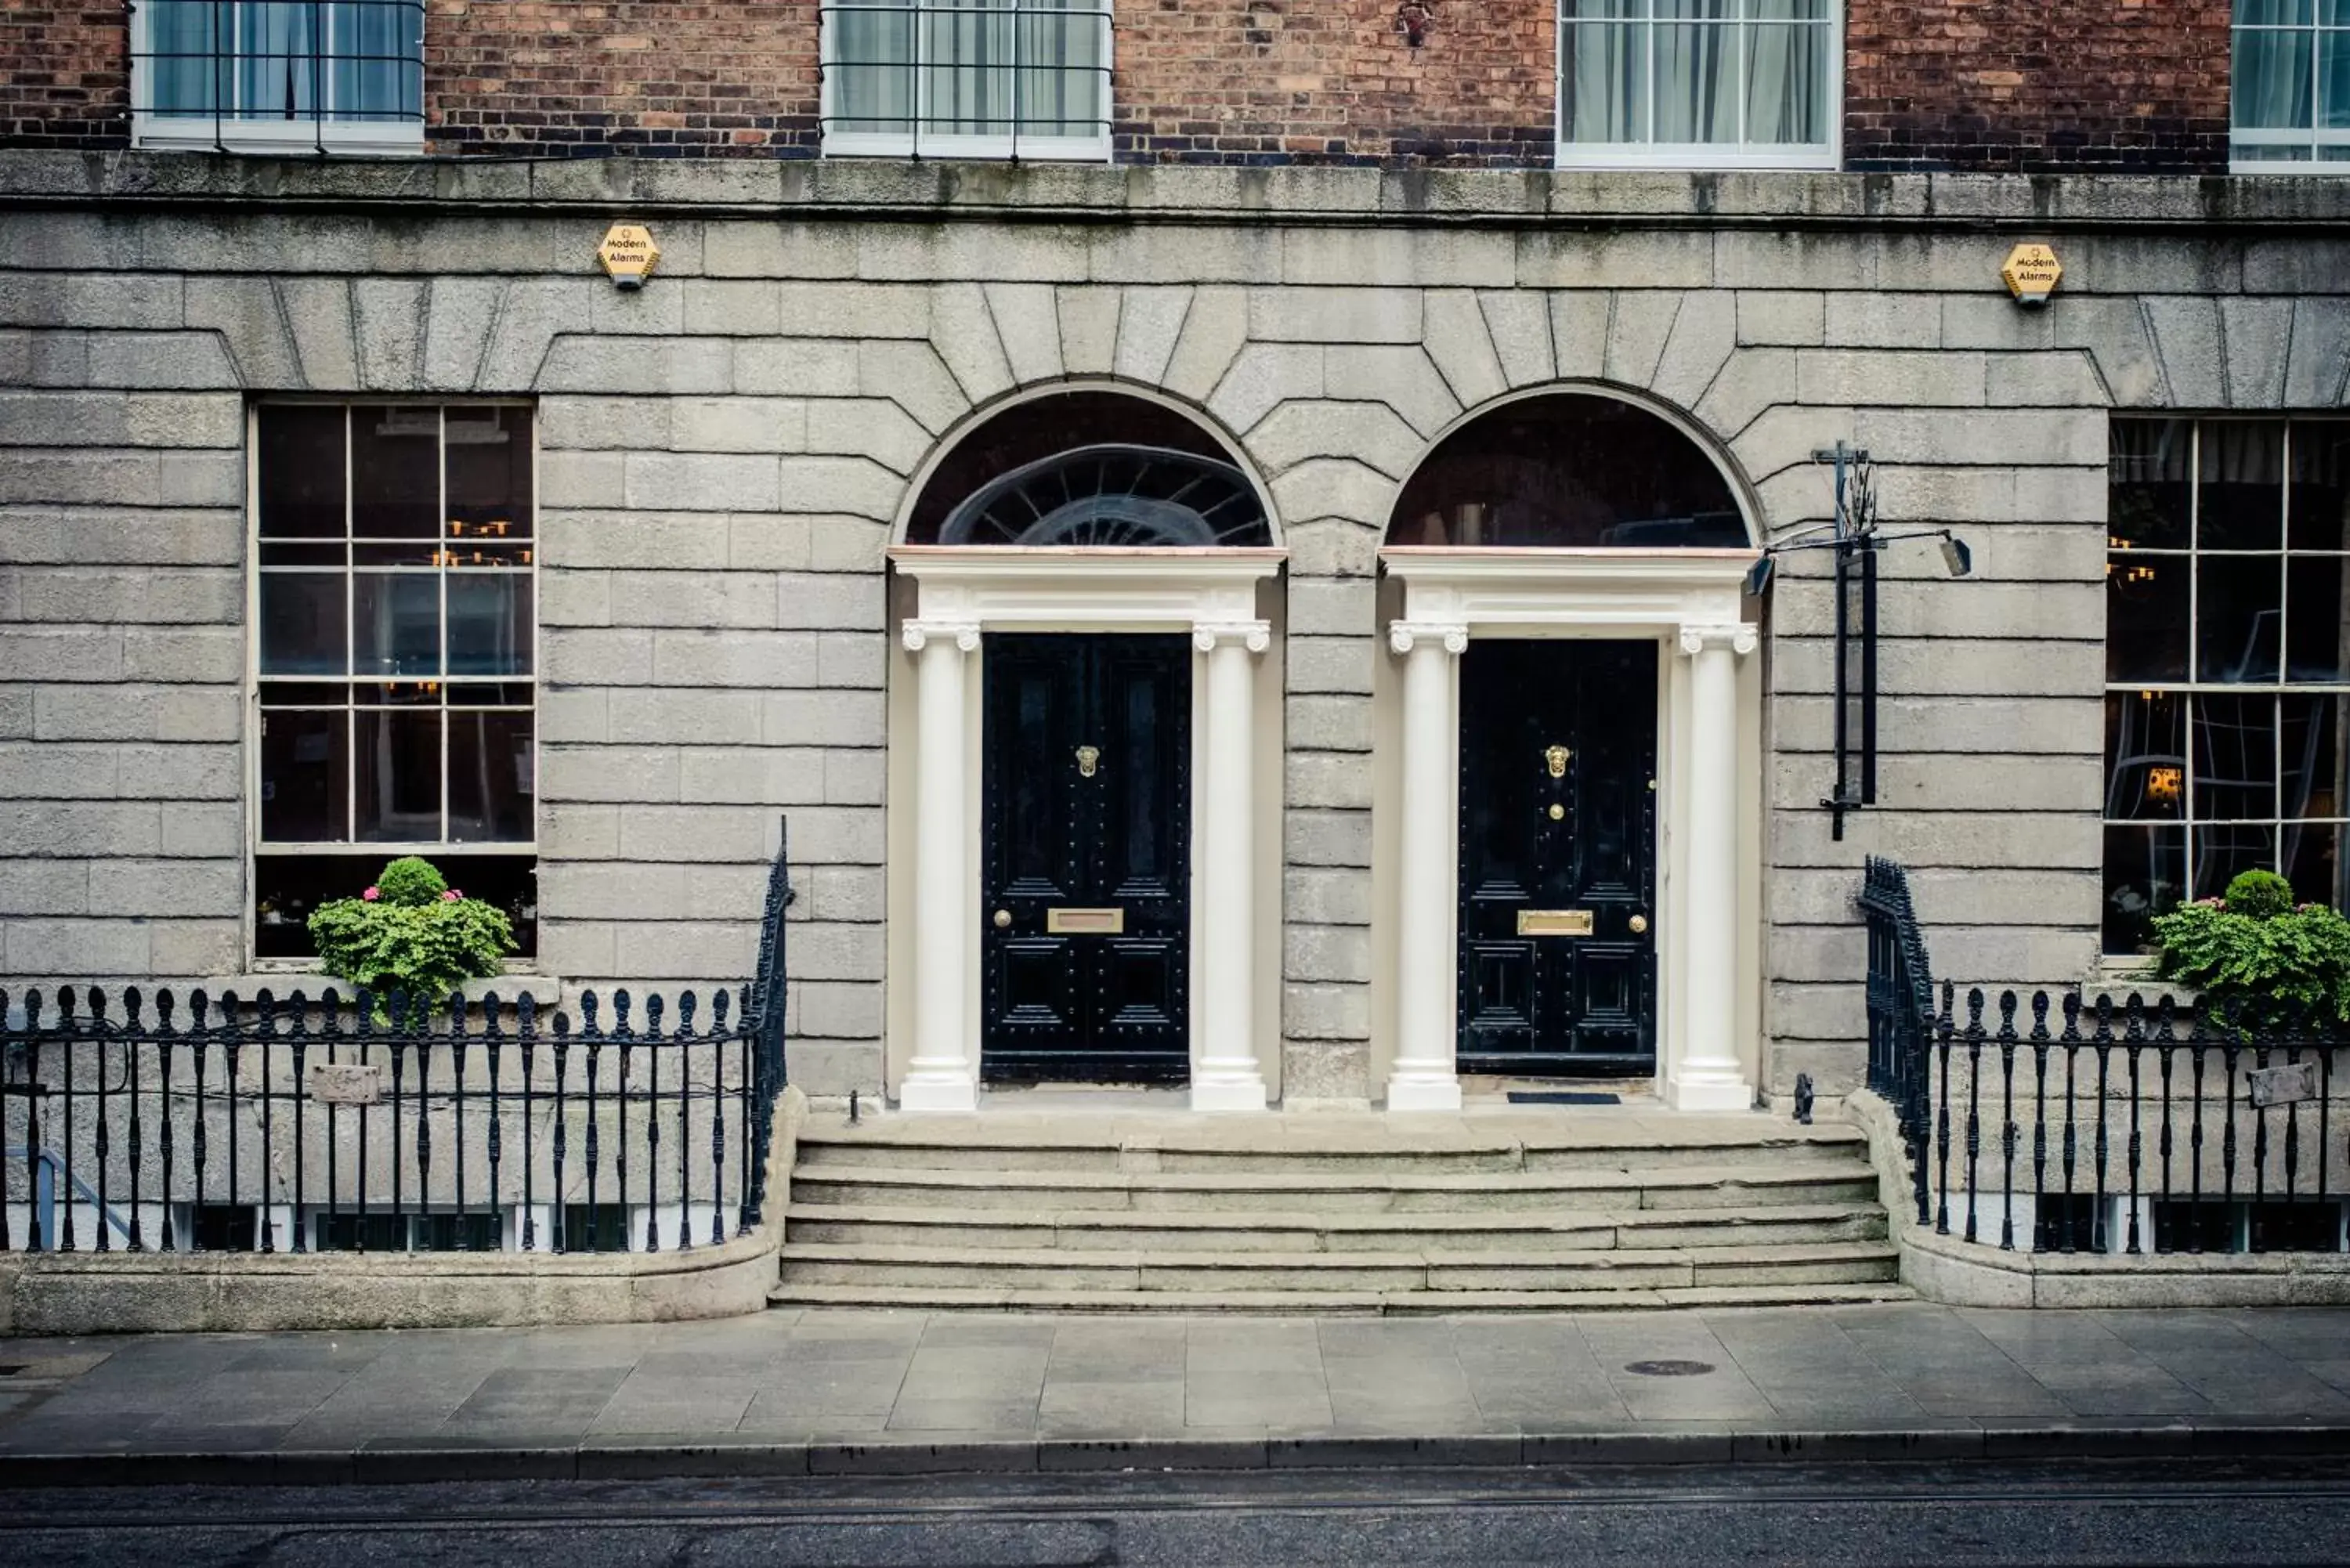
(1112,495)
(1569,470)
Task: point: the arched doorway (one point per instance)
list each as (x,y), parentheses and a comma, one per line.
(1569,796)
(1075,748)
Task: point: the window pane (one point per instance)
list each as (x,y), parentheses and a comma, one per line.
(2221,852)
(1604,71)
(395,473)
(2235,757)
(2242,485)
(1788,10)
(301,459)
(490,782)
(2311,854)
(2318,643)
(1787,84)
(967,69)
(489,473)
(1061,77)
(489,622)
(2269,86)
(396,623)
(2147,470)
(2145,756)
(2311,744)
(2145,617)
(183,76)
(1697,91)
(301,627)
(399,774)
(872,70)
(2237,617)
(2272,13)
(2146,874)
(2333,80)
(1692,10)
(304,778)
(2320,494)
(277,42)
(378,74)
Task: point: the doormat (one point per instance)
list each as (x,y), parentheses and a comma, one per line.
(1561,1097)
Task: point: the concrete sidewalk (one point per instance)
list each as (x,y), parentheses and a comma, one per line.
(840,1392)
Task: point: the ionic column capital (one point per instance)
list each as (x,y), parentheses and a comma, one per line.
(1452,636)
(1256,636)
(963,633)
(1737,637)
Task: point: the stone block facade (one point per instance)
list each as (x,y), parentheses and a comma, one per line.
(725,454)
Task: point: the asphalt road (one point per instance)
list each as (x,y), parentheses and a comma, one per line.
(2283,1512)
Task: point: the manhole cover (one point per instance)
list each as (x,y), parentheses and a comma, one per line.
(1670,1368)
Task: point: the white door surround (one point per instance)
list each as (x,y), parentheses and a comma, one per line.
(962,591)
(1688,602)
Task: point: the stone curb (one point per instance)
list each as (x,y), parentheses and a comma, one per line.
(637,1459)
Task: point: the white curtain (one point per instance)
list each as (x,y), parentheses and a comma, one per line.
(264,59)
(970,67)
(1674,71)
(276,45)
(2270,74)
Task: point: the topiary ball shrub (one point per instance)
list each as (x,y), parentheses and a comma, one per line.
(412,933)
(2259,894)
(2260,962)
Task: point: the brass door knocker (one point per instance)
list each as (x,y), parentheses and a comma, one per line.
(1088,761)
(1555,759)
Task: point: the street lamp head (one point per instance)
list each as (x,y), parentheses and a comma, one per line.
(1957,557)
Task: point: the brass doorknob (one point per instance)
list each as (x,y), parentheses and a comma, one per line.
(1639,923)
(1558,812)
(1003,919)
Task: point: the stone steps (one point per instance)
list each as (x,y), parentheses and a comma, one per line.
(1275,1230)
(1513,1213)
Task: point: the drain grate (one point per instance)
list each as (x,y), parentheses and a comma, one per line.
(1561,1097)
(1670,1368)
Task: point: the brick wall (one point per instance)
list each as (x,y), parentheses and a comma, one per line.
(66,80)
(2090,84)
(635,76)
(1287,81)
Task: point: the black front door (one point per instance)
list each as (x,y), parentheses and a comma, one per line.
(1086,880)
(1558,833)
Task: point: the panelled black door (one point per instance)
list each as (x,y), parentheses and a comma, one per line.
(1086,880)
(1558,833)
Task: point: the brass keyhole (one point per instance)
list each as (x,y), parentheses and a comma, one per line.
(1088,761)
(1555,759)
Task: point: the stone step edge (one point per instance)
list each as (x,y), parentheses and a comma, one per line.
(1597,1258)
(1781,1174)
(1511,1221)
(1297,1137)
(1018,1298)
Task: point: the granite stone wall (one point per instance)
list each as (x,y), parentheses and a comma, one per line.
(725,451)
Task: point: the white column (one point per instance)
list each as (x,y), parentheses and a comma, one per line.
(942,1075)
(1423,1078)
(1707,1076)
(1225,1075)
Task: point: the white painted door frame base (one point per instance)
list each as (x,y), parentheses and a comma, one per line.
(963,591)
(1689,603)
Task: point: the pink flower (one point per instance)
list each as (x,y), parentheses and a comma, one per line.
(450,896)
(372,894)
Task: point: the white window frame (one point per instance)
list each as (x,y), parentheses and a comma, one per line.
(445,854)
(1704,155)
(2190,554)
(206,133)
(919,144)
(2243,154)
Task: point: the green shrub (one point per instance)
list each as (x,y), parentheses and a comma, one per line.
(2260,962)
(411,932)
(2259,894)
(410,880)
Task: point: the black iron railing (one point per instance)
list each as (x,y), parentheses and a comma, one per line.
(307,1122)
(2041,1124)
(311,68)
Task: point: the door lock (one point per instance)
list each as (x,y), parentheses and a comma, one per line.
(1554,760)
(1639,923)
(1088,761)
(1003,919)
